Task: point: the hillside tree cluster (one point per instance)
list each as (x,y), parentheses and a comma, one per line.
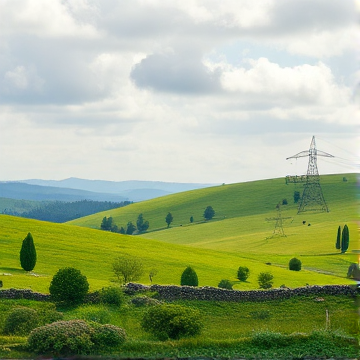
(342,239)
(108,224)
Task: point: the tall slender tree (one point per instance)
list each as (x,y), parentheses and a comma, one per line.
(28,253)
(338,238)
(345,239)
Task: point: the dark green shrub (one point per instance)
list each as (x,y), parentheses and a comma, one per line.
(265,280)
(21,321)
(225,284)
(295,264)
(139,301)
(28,253)
(111,296)
(69,286)
(243,273)
(107,336)
(172,321)
(49,315)
(62,337)
(189,277)
(209,213)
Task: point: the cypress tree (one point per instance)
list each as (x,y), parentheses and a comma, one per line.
(338,238)
(28,253)
(345,239)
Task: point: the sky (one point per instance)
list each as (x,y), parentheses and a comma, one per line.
(202,91)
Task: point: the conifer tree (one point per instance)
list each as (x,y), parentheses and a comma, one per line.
(345,239)
(189,277)
(28,253)
(338,238)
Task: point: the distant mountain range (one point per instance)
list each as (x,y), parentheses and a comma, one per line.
(74,189)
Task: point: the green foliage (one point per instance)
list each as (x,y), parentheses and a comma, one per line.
(21,320)
(354,271)
(260,314)
(243,273)
(338,238)
(225,284)
(127,269)
(295,264)
(111,296)
(169,219)
(189,277)
(141,224)
(62,337)
(105,337)
(130,228)
(284,202)
(265,280)
(60,211)
(68,285)
(209,213)
(296,196)
(269,339)
(28,253)
(172,321)
(345,238)
(191,219)
(75,337)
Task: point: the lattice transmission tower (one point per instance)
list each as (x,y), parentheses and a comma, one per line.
(312,198)
(279,229)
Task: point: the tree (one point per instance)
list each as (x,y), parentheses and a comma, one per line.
(169,219)
(68,285)
(225,284)
(209,213)
(28,253)
(107,223)
(141,224)
(152,273)
(130,228)
(243,273)
(345,239)
(338,238)
(127,269)
(191,219)
(296,196)
(189,277)
(295,264)
(265,280)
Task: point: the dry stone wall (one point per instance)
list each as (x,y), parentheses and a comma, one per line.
(173,292)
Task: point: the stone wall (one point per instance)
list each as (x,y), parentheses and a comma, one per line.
(210,293)
(23,294)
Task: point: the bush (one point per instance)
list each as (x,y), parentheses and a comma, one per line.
(62,337)
(265,280)
(209,213)
(28,253)
(189,277)
(268,339)
(225,284)
(75,337)
(295,264)
(108,336)
(243,273)
(21,321)
(69,286)
(171,321)
(111,296)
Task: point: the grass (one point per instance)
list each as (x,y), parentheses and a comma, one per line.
(298,324)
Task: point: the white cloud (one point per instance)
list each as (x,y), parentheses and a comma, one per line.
(312,84)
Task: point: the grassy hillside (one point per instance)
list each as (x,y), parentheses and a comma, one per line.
(241,227)
(92,251)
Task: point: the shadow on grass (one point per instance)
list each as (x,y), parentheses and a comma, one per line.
(12,270)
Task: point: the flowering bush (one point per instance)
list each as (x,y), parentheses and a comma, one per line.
(75,337)
(172,321)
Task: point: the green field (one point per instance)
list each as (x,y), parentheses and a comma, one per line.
(239,235)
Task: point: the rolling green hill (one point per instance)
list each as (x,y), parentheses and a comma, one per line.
(239,235)
(241,227)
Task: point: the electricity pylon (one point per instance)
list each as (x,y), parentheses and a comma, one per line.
(278,230)
(312,198)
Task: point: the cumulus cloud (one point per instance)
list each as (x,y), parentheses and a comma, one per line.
(172,73)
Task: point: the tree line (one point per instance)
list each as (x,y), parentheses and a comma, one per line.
(59,211)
